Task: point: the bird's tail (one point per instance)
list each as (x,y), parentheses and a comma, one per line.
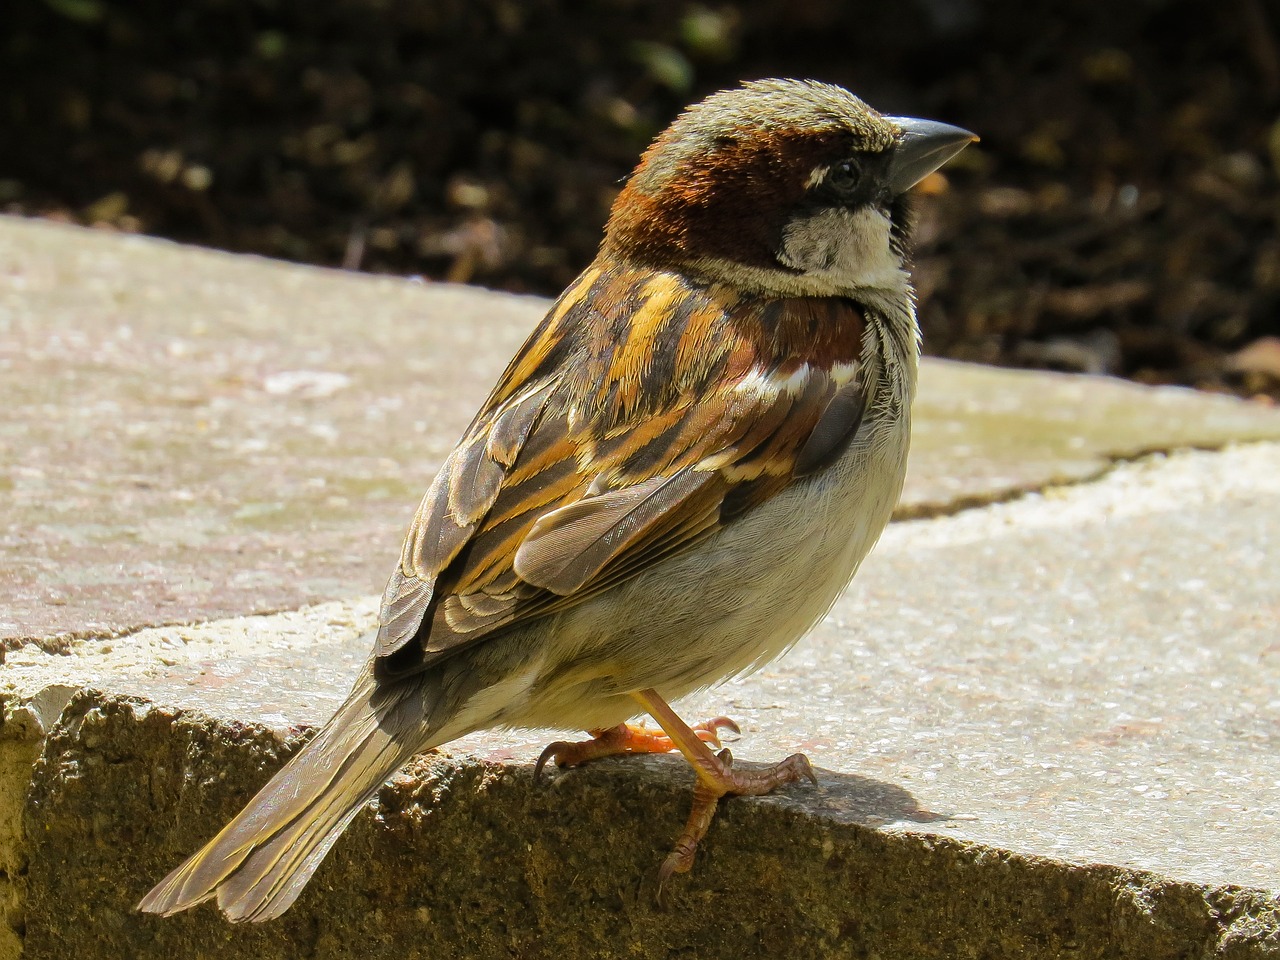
(260,861)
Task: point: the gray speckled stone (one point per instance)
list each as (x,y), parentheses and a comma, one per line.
(1091,675)
(1042,728)
(191,434)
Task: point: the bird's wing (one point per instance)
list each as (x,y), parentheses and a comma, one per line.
(644,413)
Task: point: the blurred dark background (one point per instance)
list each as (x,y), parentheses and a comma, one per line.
(1120,214)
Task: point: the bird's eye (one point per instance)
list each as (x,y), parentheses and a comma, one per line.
(844,177)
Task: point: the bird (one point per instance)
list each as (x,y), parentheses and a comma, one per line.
(673,480)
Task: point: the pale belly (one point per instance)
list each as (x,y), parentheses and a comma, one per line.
(724,608)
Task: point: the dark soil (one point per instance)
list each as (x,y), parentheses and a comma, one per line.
(1120,214)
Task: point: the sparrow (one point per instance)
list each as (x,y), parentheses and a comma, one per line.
(672,481)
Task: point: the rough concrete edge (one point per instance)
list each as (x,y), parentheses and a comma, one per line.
(24,725)
(20,747)
(1230,922)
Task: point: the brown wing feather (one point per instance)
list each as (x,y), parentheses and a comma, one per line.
(643,414)
(462,494)
(572,544)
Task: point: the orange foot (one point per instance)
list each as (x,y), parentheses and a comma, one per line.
(722,780)
(625,738)
(716,779)
(716,776)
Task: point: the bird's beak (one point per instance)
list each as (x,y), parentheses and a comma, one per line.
(924,147)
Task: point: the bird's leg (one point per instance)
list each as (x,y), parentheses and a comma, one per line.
(716,778)
(626,738)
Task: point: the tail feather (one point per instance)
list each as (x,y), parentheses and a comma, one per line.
(259,863)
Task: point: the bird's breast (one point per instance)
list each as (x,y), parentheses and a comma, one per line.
(733,602)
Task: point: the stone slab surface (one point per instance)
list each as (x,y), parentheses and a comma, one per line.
(1054,718)
(190,434)
(982,434)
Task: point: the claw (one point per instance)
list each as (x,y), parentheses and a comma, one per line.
(551,752)
(708,731)
(624,739)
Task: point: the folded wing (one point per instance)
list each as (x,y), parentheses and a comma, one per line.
(643,415)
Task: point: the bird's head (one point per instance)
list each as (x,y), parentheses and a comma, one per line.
(780,187)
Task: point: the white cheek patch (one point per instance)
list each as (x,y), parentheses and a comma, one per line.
(849,248)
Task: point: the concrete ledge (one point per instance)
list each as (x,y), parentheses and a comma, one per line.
(467,858)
